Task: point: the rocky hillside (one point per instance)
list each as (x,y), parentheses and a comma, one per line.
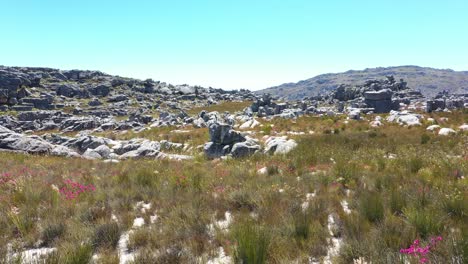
(428,80)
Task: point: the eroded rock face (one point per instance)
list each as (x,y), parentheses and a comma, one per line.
(10,140)
(89,147)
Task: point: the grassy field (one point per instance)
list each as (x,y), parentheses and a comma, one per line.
(374,191)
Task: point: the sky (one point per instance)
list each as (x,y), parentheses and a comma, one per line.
(251,44)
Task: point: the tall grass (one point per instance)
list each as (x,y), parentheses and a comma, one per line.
(252,242)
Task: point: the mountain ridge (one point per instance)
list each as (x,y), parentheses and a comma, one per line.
(429,81)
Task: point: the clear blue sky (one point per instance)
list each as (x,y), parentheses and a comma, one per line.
(233,44)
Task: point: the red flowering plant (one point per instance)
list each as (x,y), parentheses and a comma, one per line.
(72,190)
(6,178)
(416,250)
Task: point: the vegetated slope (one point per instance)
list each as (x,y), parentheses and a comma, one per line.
(428,80)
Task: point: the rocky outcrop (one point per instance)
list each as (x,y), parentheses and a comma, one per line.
(89,147)
(445,101)
(10,140)
(224,140)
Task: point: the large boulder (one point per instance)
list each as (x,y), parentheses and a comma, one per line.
(279,145)
(81,144)
(447,131)
(216,150)
(404,118)
(100,90)
(384,94)
(246,148)
(223,134)
(10,82)
(145,149)
(69,90)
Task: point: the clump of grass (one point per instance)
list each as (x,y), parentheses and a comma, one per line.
(425,138)
(393,233)
(267,129)
(346,172)
(455,205)
(106,236)
(141,238)
(272,169)
(71,254)
(96,212)
(144,177)
(52,232)
(252,243)
(301,223)
(397,201)
(23,222)
(414,164)
(371,206)
(242,199)
(425,221)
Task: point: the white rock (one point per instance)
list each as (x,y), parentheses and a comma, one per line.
(262,171)
(336,243)
(345,206)
(138,222)
(153,219)
(33,255)
(432,127)
(446,131)
(376,123)
(143,206)
(404,118)
(463,127)
(122,248)
(279,145)
(221,258)
(222,225)
(250,124)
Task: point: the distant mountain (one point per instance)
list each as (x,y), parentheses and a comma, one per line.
(428,80)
